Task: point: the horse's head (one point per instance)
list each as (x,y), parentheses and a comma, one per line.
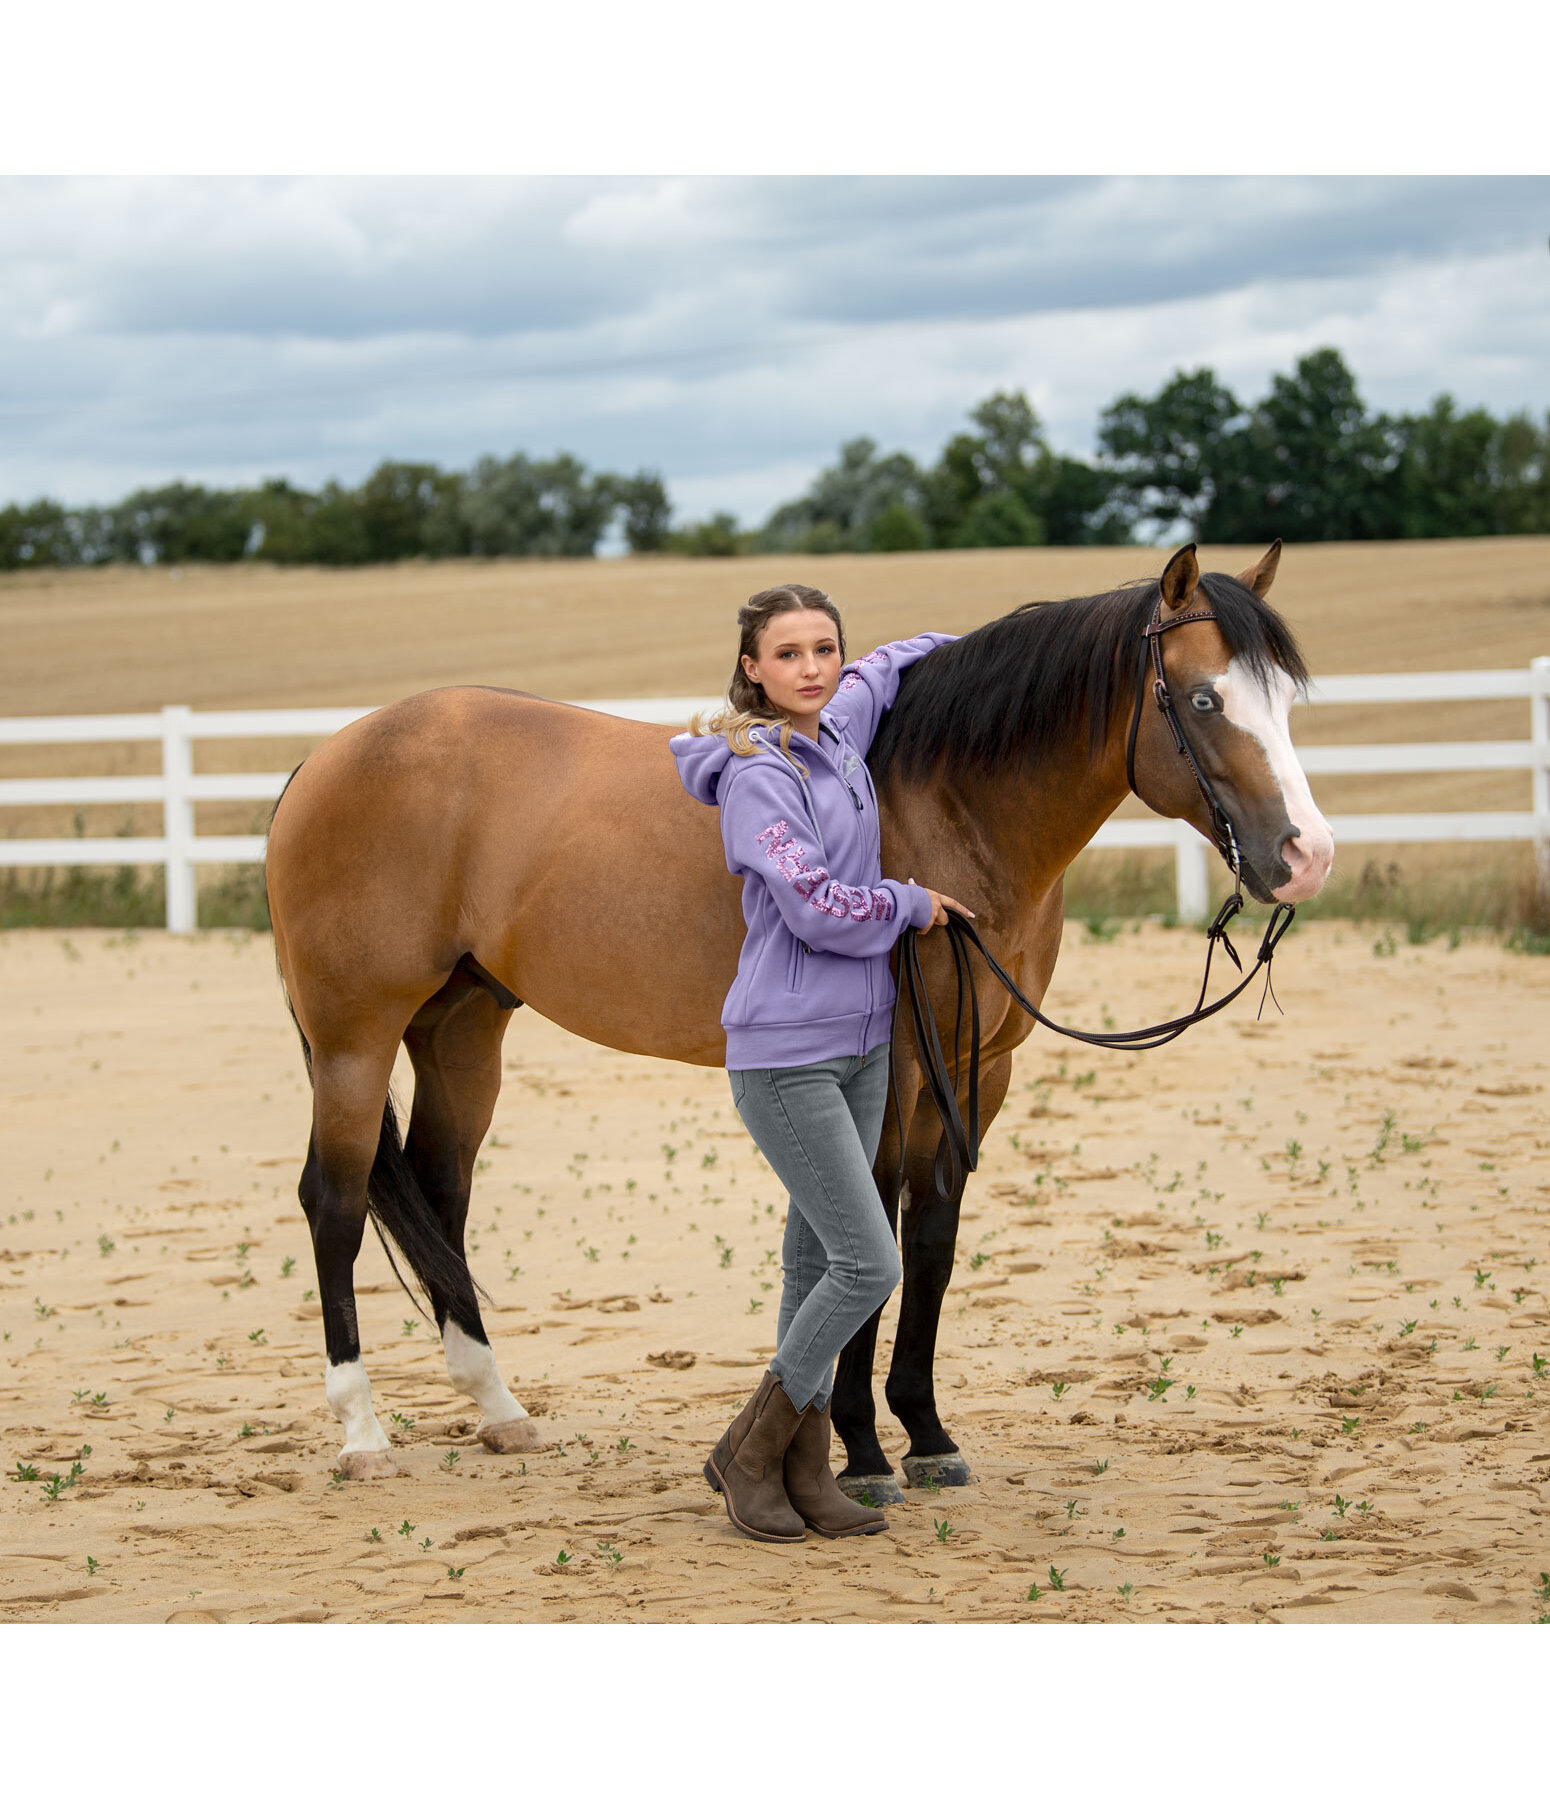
(1231,693)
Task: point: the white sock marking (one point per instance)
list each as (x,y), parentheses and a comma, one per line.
(348,1388)
(471,1368)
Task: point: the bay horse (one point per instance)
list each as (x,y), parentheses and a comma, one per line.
(471,850)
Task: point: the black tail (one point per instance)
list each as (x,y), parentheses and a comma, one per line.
(401,1213)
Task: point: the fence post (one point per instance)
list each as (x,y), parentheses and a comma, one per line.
(1539,734)
(1191,873)
(177,765)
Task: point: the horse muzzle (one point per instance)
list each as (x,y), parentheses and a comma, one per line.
(1306,858)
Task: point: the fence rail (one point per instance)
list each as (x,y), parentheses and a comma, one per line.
(180,850)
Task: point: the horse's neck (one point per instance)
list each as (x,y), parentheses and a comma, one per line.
(1022,831)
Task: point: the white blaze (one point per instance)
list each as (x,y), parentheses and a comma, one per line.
(1265,717)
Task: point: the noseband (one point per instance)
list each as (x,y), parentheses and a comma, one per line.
(1222,834)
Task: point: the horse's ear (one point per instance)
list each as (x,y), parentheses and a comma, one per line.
(1180,578)
(1260,575)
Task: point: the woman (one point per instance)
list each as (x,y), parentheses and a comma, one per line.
(808,1019)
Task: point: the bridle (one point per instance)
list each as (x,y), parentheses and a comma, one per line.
(958,1151)
(1222,833)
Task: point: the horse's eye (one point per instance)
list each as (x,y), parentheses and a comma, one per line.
(1204,701)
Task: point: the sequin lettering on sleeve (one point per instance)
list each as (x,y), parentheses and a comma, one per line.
(851,678)
(836,898)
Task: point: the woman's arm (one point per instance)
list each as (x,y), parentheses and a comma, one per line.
(764,827)
(870,685)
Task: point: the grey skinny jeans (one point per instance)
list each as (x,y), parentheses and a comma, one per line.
(818,1126)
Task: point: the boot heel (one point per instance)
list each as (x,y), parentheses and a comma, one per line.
(711,1476)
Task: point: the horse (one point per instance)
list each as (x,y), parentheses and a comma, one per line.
(470,850)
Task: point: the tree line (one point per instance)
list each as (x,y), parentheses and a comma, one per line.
(1306,462)
(519,506)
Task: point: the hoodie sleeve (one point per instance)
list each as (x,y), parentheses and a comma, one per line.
(870,685)
(767,836)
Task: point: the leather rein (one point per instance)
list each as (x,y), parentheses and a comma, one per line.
(958,1151)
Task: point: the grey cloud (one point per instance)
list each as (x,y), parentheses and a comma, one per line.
(484,258)
(221,330)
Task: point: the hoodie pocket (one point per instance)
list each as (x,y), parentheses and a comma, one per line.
(794,965)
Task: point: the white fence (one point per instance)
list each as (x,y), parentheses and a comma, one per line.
(180,850)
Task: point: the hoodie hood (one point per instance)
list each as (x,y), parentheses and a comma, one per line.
(702,761)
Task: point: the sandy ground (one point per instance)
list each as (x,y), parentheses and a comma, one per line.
(1243,1329)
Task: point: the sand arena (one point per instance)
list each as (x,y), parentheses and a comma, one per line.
(1253,1327)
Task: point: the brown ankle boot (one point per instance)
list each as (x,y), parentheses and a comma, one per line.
(745,1467)
(811,1486)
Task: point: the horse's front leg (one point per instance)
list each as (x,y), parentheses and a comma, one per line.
(868,1475)
(930,1238)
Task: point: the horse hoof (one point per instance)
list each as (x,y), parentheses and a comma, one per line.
(872,1490)
(949,1470)
(513,1435)
(367,1465)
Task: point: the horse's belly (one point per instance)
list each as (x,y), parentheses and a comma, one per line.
(636,963)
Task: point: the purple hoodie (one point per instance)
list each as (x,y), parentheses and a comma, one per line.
(812,978)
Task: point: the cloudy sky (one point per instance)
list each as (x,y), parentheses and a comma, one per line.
(730,333)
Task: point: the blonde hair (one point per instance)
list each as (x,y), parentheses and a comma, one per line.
(746,703)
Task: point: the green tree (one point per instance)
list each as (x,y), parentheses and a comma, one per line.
(999,519)
(840,509)
(336,529)
(1080,504)
(38,536)
(898,527)
(1443,482)
(1464,474)
(411,509)
(719,535)
(1003,484)
(282,518)
(181,522)
(1169,454)
(997,460)
(1521,456)
(648,512)
(525,507)
(1310,464)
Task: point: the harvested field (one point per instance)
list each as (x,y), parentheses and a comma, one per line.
(1254,1328)
(264,637)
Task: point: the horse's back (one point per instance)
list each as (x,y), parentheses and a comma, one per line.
(553,843)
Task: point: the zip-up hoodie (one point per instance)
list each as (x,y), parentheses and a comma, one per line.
(812,978)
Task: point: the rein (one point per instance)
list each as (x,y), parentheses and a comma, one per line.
(958,1152)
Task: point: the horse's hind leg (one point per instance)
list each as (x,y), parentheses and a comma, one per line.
(454,1043)
(349,1095)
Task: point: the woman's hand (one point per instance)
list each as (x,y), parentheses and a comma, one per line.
(939,906)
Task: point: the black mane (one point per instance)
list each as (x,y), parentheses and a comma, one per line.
(1012,691)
